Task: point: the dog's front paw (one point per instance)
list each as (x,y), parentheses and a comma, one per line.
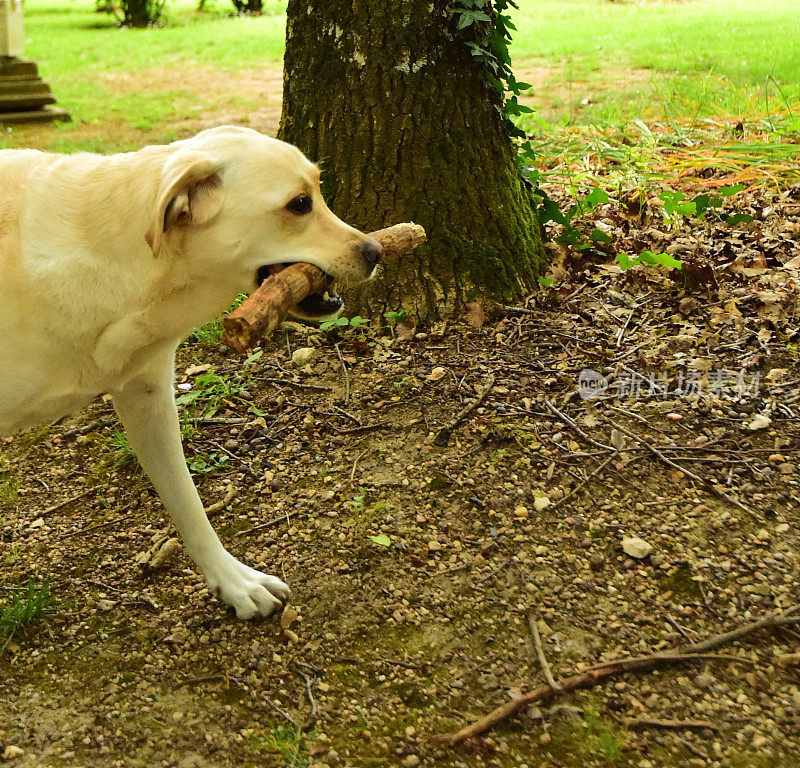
(249,591)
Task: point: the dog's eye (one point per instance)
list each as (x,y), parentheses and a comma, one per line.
(300,205)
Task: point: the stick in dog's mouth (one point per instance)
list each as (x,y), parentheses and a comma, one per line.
(302,288)
(315,306)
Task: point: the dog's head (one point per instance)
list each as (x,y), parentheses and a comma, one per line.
(242,205)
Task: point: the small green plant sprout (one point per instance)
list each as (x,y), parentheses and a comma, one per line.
(549,211)
(678,204)
(402,385)
(395,316)
(648,259)
(207,464)
(364,516)
(209,393)
(545,282)
(285,741)
(123,453)
(253,358)
(25,605)
(343,323)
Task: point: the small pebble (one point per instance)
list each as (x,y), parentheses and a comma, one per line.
(636,547)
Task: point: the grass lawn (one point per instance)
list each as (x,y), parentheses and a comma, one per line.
(654,59)
(597,66)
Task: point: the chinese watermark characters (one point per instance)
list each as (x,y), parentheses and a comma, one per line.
(690,384)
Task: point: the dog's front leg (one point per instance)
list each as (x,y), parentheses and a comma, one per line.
(147,410)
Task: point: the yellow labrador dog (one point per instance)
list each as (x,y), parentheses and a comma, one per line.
(106,263)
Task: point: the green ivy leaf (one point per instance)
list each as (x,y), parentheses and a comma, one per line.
(596,197)
(737,218)
(599,236)
(732,190)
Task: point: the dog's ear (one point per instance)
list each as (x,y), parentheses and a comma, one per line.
(190,193)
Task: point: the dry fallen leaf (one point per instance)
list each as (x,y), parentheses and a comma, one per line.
(474,314)
(288,617)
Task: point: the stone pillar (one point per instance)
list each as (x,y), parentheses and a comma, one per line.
(24,96)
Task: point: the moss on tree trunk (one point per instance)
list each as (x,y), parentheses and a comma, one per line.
(387,97)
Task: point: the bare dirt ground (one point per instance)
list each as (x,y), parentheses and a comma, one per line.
(414,564)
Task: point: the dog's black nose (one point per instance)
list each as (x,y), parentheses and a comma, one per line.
(371,252)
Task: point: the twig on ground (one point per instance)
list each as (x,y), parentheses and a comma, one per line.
(363,428)
(92,528)
(265,698)
(230,493)
(346,374)
(309,692)
(614,667)
(61,504)
(243,462)
(670,463)
(443,435)
(296,384)
(621,334)
(275,520)
(673,725)
(677,627)
(572,425)
(86,428)
(355,464)
(537,643)
(692,748)
(585,482)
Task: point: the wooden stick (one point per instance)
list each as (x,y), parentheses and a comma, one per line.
(443,435)
(537,642)
(691,475)
(600,672)
(266,307)
(673,725)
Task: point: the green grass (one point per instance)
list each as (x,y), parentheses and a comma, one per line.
(704,56)
(121,447)
(286,742)
(628,59)
(24,606)
(79,51)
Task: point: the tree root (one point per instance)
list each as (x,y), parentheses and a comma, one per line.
(607,669)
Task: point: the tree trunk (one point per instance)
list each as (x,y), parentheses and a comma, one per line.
(387,97)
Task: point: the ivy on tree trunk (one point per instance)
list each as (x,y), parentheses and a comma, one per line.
(389,99)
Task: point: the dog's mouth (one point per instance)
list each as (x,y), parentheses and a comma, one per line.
(316,306)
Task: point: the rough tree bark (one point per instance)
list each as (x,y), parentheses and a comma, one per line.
(387,97)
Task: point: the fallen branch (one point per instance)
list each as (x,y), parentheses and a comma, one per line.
(230,493)
(673,725)
(585,482)
(607,669)
(266,307)
(572,425)
(443,435)
(61,504)
(537,642)
(691,475)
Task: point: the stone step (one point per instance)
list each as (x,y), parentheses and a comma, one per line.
(14,87)
(12,102)
(11,65)
(46,115)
